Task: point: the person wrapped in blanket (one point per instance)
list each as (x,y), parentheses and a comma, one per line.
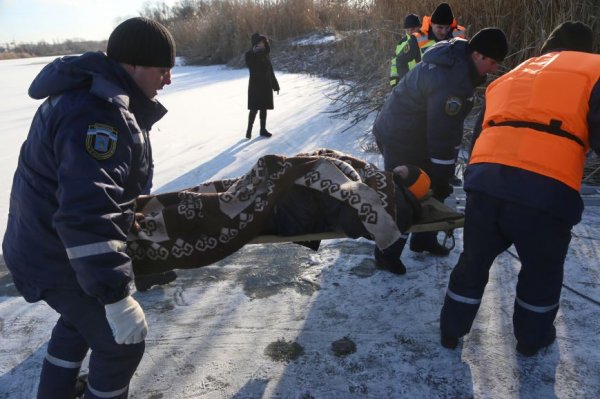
(302,210)
(310,193)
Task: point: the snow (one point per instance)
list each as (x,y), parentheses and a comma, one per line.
(210,329)
(316,40)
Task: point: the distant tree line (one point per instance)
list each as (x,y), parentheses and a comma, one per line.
(43,49)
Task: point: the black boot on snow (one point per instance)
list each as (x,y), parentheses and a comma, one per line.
(421,242)
(145,282)
(531,350)
(389,258)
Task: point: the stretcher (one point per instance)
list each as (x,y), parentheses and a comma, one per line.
(436,216)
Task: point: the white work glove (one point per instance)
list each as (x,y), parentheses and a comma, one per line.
(127,321)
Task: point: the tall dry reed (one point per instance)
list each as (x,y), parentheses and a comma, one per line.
(215,31)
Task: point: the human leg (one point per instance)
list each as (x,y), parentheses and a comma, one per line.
(111,365)
(263,124)
(251,119)
(65,354)
(389,258)
(542,242)
(483,241)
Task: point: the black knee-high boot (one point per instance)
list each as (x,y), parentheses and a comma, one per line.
(251,118)
(389,258)
(263,123)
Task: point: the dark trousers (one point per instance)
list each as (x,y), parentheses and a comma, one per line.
(492,225)
(82,325)
(262,117)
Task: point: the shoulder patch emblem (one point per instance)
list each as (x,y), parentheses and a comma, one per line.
(101,141)
(406,48)
(453,105)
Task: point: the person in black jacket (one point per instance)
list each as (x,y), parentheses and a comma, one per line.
(86,159)
(262,83)
(421,122)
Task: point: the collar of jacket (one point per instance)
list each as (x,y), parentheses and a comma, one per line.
(147,111)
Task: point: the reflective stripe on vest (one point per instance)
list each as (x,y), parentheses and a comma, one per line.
(536,116)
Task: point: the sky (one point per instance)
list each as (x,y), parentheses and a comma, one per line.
(31,21)
(210,329)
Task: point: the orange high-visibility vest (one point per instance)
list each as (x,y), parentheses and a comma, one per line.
(422,36)
(536,116)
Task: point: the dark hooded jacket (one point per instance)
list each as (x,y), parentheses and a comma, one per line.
(421,122)
(262,82)
(86,158)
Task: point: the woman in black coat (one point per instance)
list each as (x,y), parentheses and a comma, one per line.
(262,83)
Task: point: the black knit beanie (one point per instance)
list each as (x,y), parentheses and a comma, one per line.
(570,35)
(491,42)
(412,21)
(442,15)
(142,41)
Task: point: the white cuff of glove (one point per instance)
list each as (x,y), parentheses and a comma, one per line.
(127,321)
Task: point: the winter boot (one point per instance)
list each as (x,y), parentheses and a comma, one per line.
(448,341)
(265,133)
(263,125)
(145,282)
(427,241)
(249,132)
(529,350)
(389,258)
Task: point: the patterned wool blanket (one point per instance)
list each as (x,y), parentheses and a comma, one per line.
(200,225)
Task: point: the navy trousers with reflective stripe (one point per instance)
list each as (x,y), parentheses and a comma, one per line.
(82,326)
(492,225)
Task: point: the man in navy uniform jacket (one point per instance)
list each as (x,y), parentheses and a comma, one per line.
(86,159)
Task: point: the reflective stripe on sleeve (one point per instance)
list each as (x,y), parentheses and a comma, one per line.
(463,299)
(442,161)
(96,248)
(536,309)
(138,138)
(66,364)
(103,394)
